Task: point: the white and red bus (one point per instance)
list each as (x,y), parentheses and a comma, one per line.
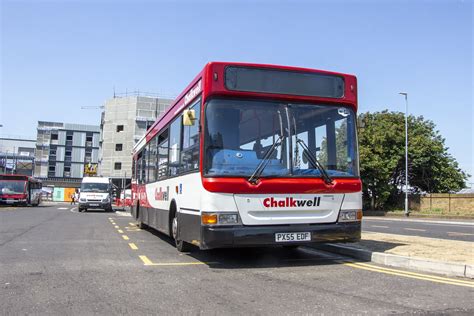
(253,155)
(20,189)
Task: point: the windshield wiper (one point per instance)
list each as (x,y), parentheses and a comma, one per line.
(264,162)
(314,161)
(266,158)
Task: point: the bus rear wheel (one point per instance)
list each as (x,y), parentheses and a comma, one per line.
(181,245)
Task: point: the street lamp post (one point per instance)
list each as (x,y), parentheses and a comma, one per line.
(407,213)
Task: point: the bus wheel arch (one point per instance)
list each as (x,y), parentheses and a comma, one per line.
(181,245)
(140,224)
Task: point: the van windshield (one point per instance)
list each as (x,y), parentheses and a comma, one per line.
(95,187)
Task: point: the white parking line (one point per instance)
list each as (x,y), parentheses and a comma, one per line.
(379,226)
(415,229)
(63,208)
(74,210)
(459,234)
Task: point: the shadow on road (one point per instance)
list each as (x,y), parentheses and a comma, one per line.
(256,257)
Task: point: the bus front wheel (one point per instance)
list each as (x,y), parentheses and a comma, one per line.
(181,245)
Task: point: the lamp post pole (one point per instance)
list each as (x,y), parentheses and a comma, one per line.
(407,213)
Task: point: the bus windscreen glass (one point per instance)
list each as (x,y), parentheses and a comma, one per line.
(283,82)
(240,133)
(12,187)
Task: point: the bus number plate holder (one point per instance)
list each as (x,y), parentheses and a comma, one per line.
(292,237)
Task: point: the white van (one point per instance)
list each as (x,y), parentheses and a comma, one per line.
(96,193)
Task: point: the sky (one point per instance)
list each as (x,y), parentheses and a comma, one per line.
(58,56)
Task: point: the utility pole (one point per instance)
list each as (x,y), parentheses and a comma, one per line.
(407,212)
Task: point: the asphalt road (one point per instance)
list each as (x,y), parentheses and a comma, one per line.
(454,230)
(56,261)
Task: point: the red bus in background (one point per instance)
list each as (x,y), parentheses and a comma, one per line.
(20,189)
(253,155)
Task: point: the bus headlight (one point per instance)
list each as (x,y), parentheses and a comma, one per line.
(228,219)
(350,216)
(219,218)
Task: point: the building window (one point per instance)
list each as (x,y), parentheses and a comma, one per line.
(69,137)
(118,147)
(68,153)
(52,168)
(89,141)
(118,166)
(54,136)
(119,128)
(67,168)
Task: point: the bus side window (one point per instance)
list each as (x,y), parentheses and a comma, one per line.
(134,162)
(143,165)
(163,142)
(152,161)
(190,150)
(174,147)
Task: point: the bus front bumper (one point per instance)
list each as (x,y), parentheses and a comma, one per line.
(255,236)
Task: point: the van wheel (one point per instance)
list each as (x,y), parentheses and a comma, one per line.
(181,245)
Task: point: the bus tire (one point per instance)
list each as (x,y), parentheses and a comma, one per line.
(140,224)
(181,245)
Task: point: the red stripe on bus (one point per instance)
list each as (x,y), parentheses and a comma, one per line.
(294,186)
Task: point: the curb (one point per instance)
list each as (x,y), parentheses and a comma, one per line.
(413,263)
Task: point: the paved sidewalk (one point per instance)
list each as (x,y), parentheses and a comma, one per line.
(436,220)
(451,257)
(415,246)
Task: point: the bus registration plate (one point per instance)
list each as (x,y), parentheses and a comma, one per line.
(289,237)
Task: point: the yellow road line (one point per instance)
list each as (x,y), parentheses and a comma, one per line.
(459,234)
(415,229)
(180,264)
(120,231)
(417,274)
(408,274)
(148,262)
(132,229)
(125,237)
(133,224)
(133,246)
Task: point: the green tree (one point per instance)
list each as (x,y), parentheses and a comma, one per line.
(382,158)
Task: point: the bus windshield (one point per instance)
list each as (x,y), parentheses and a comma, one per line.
(95,187)
(239,134)
(12,186)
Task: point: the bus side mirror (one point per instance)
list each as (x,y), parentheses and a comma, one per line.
(189,117)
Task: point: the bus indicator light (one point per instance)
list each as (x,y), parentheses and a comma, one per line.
(208,219)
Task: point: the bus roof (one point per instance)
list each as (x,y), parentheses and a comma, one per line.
(17,177)
(210,81)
